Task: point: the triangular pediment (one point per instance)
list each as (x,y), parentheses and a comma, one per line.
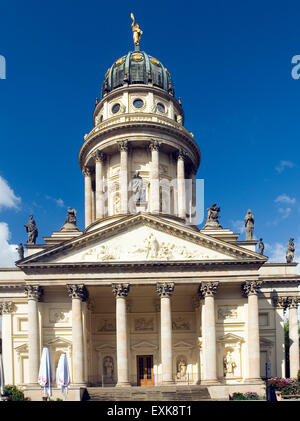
(230,338)
(142,238)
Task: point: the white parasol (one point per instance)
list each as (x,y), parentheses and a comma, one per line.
(63,374)
(2,384)
(45,373)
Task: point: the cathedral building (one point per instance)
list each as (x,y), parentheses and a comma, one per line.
(143,296)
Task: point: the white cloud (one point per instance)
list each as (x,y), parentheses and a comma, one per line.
(283,165)
(8,199)
(8,252)
(285,212)
(284,198)
(59,202)
(238,226)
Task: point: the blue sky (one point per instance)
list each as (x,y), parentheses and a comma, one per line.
(231,65)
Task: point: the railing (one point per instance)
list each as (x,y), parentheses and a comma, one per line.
(142,117)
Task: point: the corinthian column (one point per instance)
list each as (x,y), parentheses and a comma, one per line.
(250,289)
(6,309)
(33,293)
(293,335)
(123,147)
(154,181)
(99,163)
(165,291)
(87,196)
(78,294)
(121,291)
(180,184)
(207,290)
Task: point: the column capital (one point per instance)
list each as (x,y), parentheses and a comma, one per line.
(154,145)
(33,292)
(207,289)
(251,288)
(165,289)
(78,291)
(86,171)
(6,307)
(293,302)
(280,302)
(99,156)
(123,145)
(182,154)
(120,290)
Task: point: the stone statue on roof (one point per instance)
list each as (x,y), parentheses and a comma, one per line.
(290,251)
(249,225)
(31,230)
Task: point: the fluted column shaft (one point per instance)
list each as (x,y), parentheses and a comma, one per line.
(123,147)
(87,196)
(181,185)
(121,291)
(78,294)
(6,309)
(33,293)
(250,290)
(99,171)
(154,182)
(165,292)
(294,336)
(207,290)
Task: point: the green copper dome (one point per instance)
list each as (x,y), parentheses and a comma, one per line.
(137,67)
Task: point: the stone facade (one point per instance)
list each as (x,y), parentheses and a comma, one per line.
(143,296)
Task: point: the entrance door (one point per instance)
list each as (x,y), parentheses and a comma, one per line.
(145,370)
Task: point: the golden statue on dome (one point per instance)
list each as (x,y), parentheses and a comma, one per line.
(137,32)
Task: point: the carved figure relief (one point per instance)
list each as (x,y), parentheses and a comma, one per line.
(229,364)
(108,367)
(100,253)
(58,316)
(107,325)
(181,369)
(144,324)
(227,312)
(117,203)
(181,324)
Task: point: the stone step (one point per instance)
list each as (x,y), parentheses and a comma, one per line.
(158,393)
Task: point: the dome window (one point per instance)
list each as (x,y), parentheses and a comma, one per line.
(115,108)
(138,103)
(161,108)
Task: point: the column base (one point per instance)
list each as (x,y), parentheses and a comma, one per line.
(210,382)
(76,385)
(123,384)
(256,380)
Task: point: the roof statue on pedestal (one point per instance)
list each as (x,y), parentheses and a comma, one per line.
(31,230)
(70,221)
(212,219)
(290,251)
(20,250)
(249,224)
(261,247)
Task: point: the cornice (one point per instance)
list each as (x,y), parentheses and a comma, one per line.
(93,139)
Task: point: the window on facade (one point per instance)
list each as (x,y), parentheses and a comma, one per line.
(138,103)
(161,108)
(115,109)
